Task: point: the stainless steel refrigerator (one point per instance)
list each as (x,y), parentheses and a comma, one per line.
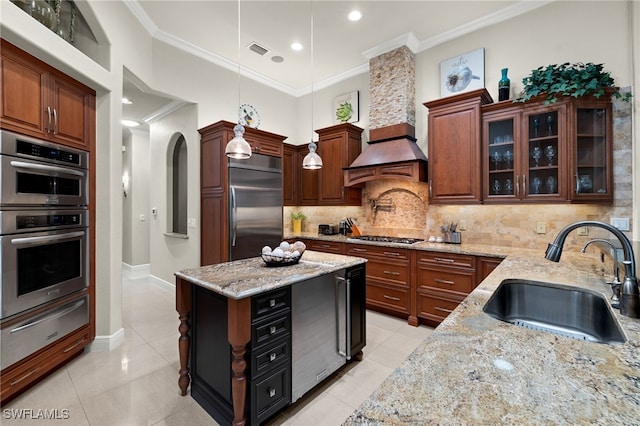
(255,205)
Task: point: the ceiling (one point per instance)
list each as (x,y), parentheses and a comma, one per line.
(341,48)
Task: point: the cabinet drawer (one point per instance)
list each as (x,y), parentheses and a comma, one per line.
(270,303)
(459,281)
(23,374)
(447,259)
(273,355)
(269,330)
(386,271)
(325,246)
(365,250)
(435,307)
(393,298)
(271,394)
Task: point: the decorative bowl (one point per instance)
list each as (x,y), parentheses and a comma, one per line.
(276,261)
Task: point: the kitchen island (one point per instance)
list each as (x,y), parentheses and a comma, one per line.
(252,336)
(475,369)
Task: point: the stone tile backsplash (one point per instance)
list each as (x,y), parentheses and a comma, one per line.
(400,208)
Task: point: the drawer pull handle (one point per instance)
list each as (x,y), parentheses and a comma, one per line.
(359,250)
(272,329)
(397,299)
(391,253)
(442,259)
(392,273)
(70,348)
(272,392)
(272,356)
(438,308)
(441,281)
(15,382)
(272,303)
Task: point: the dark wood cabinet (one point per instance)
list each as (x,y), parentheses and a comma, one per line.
(561,152)
(290,175)
(338,146)
(485,266)
(39,101)
(214,191)
(442,281)
(388,277)
(334,247)
(268,356)
(455,165)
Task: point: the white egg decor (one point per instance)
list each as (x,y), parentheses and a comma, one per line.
(284,254)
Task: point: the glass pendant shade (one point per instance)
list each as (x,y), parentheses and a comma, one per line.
(312,160)
(238,147)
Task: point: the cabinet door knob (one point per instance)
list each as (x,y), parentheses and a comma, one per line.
(272,356)
(272,303)
(272,329)
(272,392)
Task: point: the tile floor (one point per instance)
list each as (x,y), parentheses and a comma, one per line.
(136,384)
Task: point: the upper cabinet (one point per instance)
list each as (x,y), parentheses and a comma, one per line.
(40,101)
(338,146)
(455,129)
(548,153)
(523,152)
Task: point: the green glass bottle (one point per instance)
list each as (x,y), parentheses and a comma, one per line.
(504,86)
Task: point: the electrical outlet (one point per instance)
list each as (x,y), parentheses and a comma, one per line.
(462,225)
(142,218)
(541,228)
(622,223)
(583,231)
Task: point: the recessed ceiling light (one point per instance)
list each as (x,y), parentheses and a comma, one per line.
(355,15)
(130,123)
(296,45)
(127,101)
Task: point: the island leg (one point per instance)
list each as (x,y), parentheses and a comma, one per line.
(183,306)
(239,333)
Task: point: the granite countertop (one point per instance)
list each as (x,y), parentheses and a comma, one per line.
(248,277)
(477,370)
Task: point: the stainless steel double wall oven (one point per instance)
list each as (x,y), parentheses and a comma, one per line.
(44,244)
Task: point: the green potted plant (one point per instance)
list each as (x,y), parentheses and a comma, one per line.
(567,79)
(296,221)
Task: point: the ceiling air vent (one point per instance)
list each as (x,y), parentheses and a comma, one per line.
(255,47)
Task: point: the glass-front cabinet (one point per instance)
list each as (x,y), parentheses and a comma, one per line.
(591,154)
(547,153)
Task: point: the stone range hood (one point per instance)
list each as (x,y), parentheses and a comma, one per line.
(392,152)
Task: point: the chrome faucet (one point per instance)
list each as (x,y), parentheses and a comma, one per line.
(616,283)
(629,293)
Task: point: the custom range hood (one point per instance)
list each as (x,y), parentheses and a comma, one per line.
(392,152)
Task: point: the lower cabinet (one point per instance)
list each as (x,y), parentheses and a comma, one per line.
(423,286)
(268,356)
(388,277)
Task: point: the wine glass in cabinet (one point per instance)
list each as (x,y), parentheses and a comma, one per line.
(500,141)
(542,172)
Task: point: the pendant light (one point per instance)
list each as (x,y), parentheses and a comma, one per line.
(238,147)
(312,160)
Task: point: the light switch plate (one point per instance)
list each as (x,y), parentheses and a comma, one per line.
(622,223)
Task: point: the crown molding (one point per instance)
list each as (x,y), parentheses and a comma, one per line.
(408,39)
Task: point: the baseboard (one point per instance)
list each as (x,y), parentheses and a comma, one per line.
(165,285)
(133,272)
(107,343)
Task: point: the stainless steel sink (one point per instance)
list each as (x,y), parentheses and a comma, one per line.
(555,308)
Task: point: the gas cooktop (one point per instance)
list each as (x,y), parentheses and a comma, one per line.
(383,239)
